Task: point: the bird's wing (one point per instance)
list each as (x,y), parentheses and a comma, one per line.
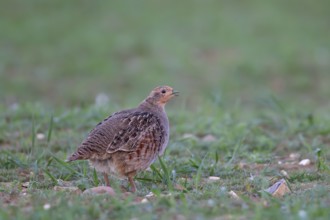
(137,128)
(122,131)
(95,145)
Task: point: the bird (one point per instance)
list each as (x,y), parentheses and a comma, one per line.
(129,141)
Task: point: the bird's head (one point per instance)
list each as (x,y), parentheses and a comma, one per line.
(161,95)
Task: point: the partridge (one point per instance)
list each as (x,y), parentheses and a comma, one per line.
(129,141)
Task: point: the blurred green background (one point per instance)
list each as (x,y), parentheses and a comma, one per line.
(66,52)
(254,78)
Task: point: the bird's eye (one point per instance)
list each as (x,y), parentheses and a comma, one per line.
(163,91)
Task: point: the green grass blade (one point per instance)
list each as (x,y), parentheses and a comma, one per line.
(66,166)
(95,178)
(49,162)
(142,179)
(216,157)
(33,133)
(305,143)
(50,176)
(166,174)
(199,172)
(50,129)
(237,146)
(155,170)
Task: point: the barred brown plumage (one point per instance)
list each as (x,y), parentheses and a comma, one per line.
(129,141)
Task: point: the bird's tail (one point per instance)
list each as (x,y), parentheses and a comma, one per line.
(73,157)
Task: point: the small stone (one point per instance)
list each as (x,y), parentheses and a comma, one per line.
(40,136)
(233,195)
(144,200)
(294,156)
(26,184)
(150,194)
(71,189)
(46,206)
(279,189)
(214,178)
(100,190)
(209,138)
(305,162)
(284,173)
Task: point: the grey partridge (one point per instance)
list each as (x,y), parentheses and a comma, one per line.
(129,141)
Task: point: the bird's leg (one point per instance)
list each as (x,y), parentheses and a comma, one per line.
(131,182)
(106,179)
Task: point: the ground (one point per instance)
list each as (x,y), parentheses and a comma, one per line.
(254,86)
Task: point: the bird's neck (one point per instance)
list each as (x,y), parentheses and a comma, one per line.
(150,105)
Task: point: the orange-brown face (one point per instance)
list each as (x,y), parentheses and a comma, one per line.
(162,94)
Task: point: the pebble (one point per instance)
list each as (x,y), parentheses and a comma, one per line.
(100,190)
(40,136)
(214,178)
(46,206)
(284,173)
(279,189)
(209,138)
(294,156)
(72,189)
(305,162)
(233,195)
(150,194)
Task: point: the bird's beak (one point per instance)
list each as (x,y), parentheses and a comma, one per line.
(175,93)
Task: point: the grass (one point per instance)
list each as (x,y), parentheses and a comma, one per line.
(253,81)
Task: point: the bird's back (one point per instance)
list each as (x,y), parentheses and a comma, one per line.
(124,131)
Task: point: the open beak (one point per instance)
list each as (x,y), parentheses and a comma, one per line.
(175,93)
